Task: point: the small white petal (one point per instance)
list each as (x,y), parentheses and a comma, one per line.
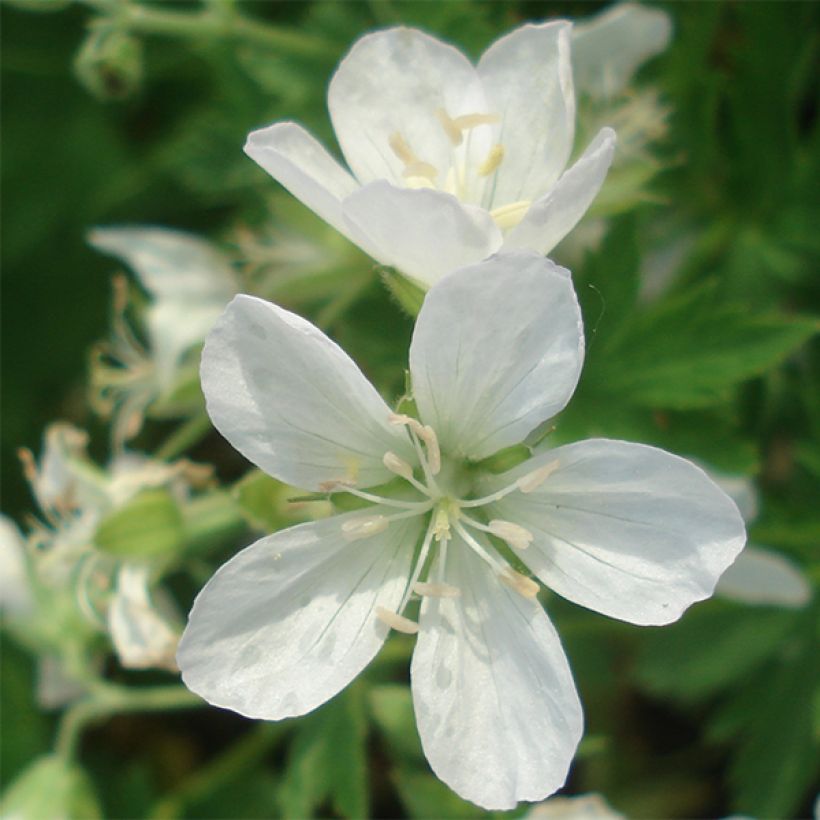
(189,279)
(625,529)
(552,217)
(762,576)
(16,599)
(394,82)
(528,80)
(497,349)
(424,233)
(293,402)
(609,48)
(290,621)
(496,706)
(142,637)
(301,164)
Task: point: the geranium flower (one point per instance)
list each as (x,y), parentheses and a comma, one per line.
(625,529)
(450,162)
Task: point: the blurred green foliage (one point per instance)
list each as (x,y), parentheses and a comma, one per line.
(700,307)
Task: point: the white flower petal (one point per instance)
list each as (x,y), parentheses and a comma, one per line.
(424,233)
(16,599)
(608,48)
(292,401)
(189,279)
(142,637)
(496,706)
(625,529)
(552,217)
(581,807)
(394,82)
(762,576)
(289,621)
(528,81)
(301,164)
(497,349)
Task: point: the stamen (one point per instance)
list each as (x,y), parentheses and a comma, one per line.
(497,564)
(432,463)
(340,486)
(355,529)
(419,168)
(492,161)
(29,464)
(515,535)
(532,481)
(397,465)
(451,127)
(428,435)
(436,590)
(420,561)
(441,524)
(467,121)
(399,419)
(396,621)
(508,216)
(524,586)
(399,146)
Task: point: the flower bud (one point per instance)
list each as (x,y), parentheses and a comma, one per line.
(109,64)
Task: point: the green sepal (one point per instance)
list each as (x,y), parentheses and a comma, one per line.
(408,294)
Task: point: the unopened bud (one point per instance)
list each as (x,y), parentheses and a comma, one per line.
(109,64)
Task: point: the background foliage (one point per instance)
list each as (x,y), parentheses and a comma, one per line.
(697,304)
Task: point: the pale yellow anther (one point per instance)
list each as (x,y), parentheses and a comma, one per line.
(354,529)
(419,169)
(524,586)
(436,590)
(29,465)
(400,420)
(492,161)
(508,216)
(415,183)
(428,435)
(450,126)
(515,535)
(398,145)
(467,121)
(532,481)
(397,465)
(335,484)
(396,621)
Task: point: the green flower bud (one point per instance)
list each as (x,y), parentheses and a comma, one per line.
(51,788)
(109,64)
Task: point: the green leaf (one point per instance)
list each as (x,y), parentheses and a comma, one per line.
(150,524)
(328,760)
(424,796)
(690,351)
(51,787)
(392,710)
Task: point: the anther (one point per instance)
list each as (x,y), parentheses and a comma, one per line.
(492,161)
(334,484)
(467,121)
(355,529)
(397,465)
(399,420)
(524,586)
(29,466)
(436,590)
(420,169)
(399,146)
(451,127)
(508,216)
(396,621)
(532,481)
(428,435)
(515,535)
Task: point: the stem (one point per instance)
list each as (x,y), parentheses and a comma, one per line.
(186,435)
(212,22)
(108,699)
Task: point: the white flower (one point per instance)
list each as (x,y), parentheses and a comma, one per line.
(450,162)
(759,575)
(608,48)
(74,496)
(189,282)
(625,529)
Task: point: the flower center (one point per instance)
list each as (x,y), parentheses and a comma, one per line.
(449,515)
(468,177)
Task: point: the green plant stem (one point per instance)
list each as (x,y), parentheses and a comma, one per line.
(212,22)
(107,700)
(238,758)
(186,435)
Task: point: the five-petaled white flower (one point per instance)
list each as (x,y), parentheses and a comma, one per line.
(625,529)
(450,162)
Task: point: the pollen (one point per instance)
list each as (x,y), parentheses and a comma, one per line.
(396,621)
(397,465)
(467,121)
(428,435)
(516,536)
(355,529)
(451,127)
(508,216)
(492,161)
(399,146)
(436,590)
(532,481)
